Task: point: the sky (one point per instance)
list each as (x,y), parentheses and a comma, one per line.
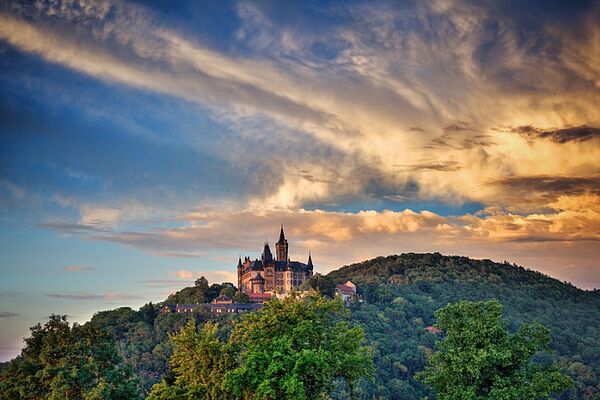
(145,144)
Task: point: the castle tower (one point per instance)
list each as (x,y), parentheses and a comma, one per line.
(267,256)
(257,284)
(309,267)
(240,273)
(281,247)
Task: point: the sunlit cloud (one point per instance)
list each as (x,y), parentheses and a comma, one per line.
(347,140)
(212,276)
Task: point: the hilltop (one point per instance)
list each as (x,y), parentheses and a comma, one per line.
(401,293)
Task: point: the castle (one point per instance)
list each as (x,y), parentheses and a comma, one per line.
(260,279)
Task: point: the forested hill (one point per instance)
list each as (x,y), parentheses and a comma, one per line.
(398,298)
(409,268)
(401,293)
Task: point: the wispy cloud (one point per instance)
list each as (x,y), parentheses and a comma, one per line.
(127,44)
(8,314)
(399,105)
(107,297)
(212,276)
(78,268)
(576,134)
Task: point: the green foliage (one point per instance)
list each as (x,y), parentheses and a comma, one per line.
(402,293)
(296,349)
(293,349)
(199,363)
(479,359)
(324,284)
(63,362)
(201,292)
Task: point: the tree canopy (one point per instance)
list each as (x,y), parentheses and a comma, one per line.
(479,359)
(291,349)
(68,363)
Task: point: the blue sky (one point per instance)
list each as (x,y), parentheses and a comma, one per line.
(144,144)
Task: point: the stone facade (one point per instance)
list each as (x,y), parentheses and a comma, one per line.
(273,274)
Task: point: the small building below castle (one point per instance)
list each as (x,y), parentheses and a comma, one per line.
(346,291)
(262,278)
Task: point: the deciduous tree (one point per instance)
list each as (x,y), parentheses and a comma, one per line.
(479,359)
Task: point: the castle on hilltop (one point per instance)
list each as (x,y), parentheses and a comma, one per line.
(261,278)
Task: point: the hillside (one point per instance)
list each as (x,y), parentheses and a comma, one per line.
(401,293)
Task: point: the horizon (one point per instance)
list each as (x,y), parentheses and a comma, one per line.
(146,144)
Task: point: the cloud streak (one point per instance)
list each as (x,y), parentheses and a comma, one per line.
(78,268)
(109,297)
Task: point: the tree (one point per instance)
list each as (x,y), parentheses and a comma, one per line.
(296,349)
(199,363)
(63,362)
(480,359)
(201,283)
(293,349)
(324,284)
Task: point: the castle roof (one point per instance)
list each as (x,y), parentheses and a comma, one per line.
(281,235)
(267,256)
(257,265)
(257,278)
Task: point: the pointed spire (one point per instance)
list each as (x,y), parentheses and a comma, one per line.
(281,235)
(239,261)
(310,264)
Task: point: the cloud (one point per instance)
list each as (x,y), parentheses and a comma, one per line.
(108,297)
(404,105)
(8,314)
(10,294)
(375,81)
(212,276)
(432,166)
(576,134)
(545,191)
(78,268)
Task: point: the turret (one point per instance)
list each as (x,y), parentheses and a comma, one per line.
(309,263)
(281,247)
(240,273)
(267,256)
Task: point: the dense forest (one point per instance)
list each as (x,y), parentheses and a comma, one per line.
(401,294)
(398,296)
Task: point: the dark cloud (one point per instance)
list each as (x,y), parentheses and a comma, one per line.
(305,174)
(457,127)
(469,142)
(575,134)
(70,228)
(477,141)
(415,129)
(444,166)
(8,314)
(551,185)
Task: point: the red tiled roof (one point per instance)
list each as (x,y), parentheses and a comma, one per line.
(347,290)
(433,329)
(259,296)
